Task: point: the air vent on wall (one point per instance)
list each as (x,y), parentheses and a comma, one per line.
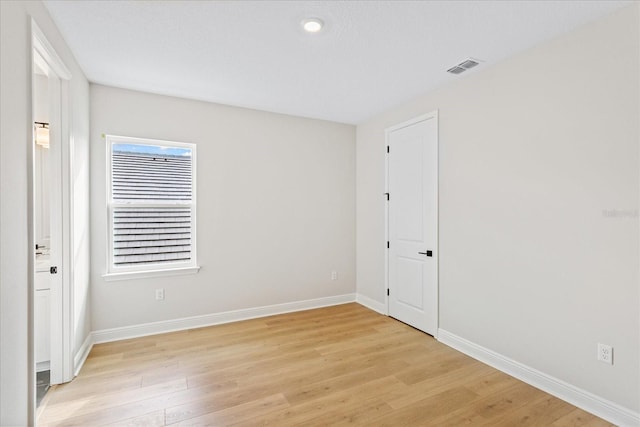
(463,66)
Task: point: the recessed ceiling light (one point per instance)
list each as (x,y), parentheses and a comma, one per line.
(312,25)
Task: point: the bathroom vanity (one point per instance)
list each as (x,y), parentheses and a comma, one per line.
(42,313)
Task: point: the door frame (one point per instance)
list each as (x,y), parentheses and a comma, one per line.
(423,117)
(45,56)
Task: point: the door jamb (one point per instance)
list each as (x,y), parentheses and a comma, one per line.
(62,301)
(387,132)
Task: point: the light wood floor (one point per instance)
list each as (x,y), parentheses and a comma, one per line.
(331,366)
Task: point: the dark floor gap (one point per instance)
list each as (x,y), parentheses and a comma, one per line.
(43,379)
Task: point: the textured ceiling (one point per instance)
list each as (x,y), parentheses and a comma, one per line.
(371,55)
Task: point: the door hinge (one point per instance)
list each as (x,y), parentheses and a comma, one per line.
(387,291)
(387,148)
(387,196)
(387,244)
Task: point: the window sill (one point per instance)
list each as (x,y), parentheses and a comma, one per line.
(110,277)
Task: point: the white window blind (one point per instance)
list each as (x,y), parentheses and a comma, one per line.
(151,204)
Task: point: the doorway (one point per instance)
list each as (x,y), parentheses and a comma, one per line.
(42,222)
(50,317)
(412,222)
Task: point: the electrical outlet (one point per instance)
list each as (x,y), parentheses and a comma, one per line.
(334,275)
(159,294)
(605,353)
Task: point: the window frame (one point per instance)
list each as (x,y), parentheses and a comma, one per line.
(153,269)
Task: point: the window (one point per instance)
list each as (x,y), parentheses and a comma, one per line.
(151,207)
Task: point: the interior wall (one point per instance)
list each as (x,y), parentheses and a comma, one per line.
(15,251)
(539,180)
(275,208)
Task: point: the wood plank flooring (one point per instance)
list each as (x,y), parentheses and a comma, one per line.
(331,366)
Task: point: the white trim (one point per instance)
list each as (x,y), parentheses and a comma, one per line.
(49,54)
(413,121)
(583,399)
(371,304)
(82,354)
(43,53)
(386,222)
(110,277)
(145,329)
(43,366)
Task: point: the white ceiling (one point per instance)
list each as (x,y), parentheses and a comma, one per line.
(371,56)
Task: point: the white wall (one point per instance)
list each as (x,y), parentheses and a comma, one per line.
(275,208)
(535,152)
(16,366)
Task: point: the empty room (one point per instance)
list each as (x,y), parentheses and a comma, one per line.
(315,213)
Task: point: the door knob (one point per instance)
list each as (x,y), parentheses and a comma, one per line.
(428,253)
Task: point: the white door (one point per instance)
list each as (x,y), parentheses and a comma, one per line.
(412,222)
(58,372)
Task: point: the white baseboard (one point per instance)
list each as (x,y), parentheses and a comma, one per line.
(82,354)
(583,399)
(372,304)
(43,366)
(145,329)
